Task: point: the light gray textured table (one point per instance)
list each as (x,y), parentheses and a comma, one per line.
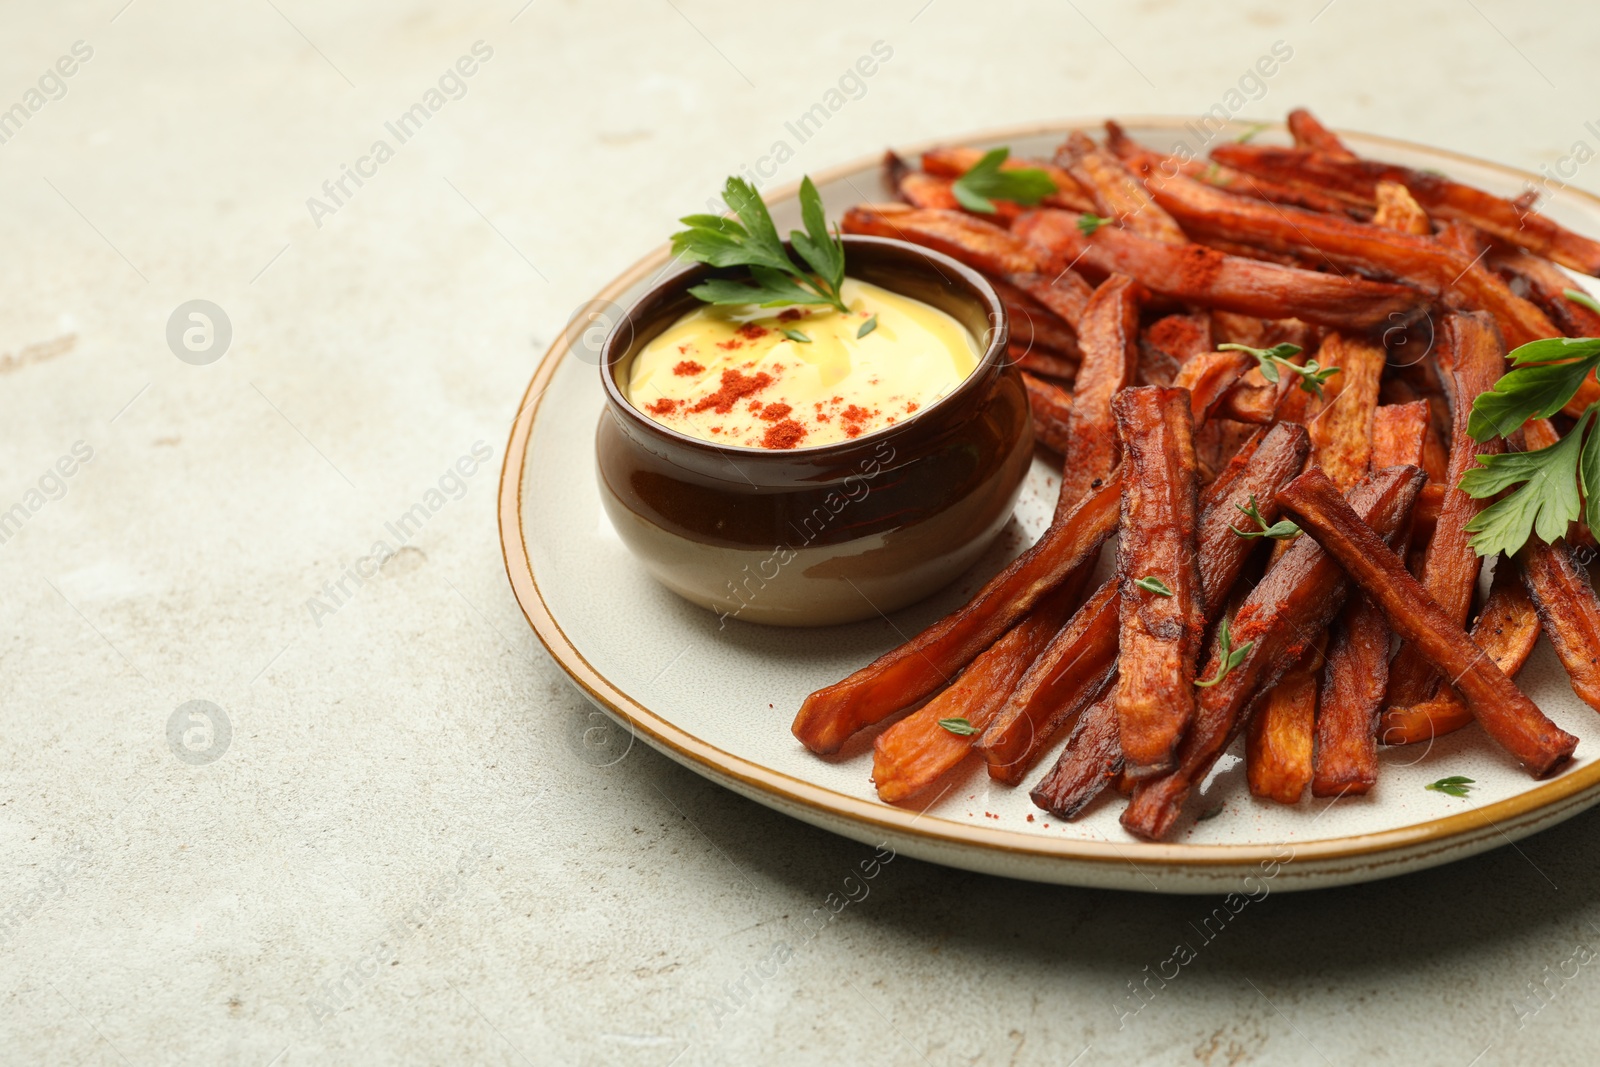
(397,851)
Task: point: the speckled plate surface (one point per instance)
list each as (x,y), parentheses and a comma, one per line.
(720,700)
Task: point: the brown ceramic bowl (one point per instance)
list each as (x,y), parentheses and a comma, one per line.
(835,533)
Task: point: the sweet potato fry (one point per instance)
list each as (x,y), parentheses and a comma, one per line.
(1145,161)
(1243,184)
(1436,269)
(1181,336)
(1033,325)
(913,753)
(1568,611)
(1278,621)
(1255,403)
(1450,570)
(1345,753)
(1396,390)
(1340,421)
(895,168)
(904,675)
(1399,434)
(1109,339)
(1356,180)
(979,244)
(1278,740)
(1236,407)
(1212,378)
(1216,442)
(1117,193)
(1073,671)
(1161,628)
(1052,411)
(954,162)
(1066,293)
(1199,275)
(1507,629)
(1308,132)
(1169,342)
(1398,210)
(1425,516)
(1245,250)
(1546,286)
(1092,760)
(1228,328)
(1272,456)
(1155,368)
(1042,363)
(1464,238)
(1508,716)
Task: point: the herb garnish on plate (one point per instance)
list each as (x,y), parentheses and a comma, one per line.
(1544,377)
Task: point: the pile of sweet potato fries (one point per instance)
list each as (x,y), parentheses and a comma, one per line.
(1281,520)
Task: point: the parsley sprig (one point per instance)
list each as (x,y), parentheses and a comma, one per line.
(1456,785)
(1556,485)
(1312,375)
(1281,530)
(1544,376)
(959,727)
(1548,499)
(986,182)
(1151,584)
(751,240)
(1088,224)
(1228,657)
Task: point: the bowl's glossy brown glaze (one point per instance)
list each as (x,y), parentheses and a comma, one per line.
(835,533)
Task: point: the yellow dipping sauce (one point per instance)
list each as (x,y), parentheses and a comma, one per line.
(730,375)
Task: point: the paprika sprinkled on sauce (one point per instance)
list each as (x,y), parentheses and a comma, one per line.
(786,434)
(745,377)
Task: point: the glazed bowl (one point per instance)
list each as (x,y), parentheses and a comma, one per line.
(837,532)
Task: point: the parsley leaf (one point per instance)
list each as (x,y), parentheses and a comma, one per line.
(1456,785)
(1228,657)
(1546,503)
(751,240)
(1282,530)
(1546,374)
(819,248)
(1313,376)
(986,182)
(1152,584)
(960,727)
(867,327)
(1088,224)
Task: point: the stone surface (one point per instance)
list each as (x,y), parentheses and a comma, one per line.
(399,851)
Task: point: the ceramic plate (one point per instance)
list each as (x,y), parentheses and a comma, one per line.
(719,701)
